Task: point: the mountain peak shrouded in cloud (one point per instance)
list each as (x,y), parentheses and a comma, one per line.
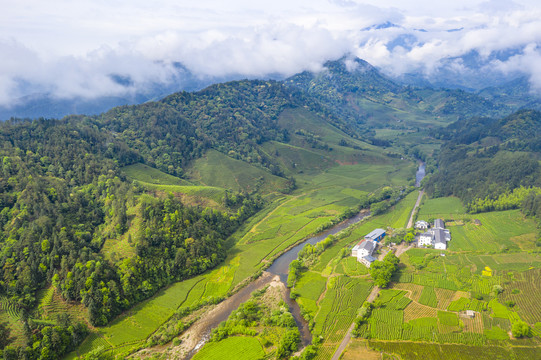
(89,50)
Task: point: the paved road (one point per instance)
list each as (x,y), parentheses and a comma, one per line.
(410,222)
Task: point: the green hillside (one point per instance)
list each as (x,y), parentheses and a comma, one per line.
(137,221)
(218,170)
(150,175)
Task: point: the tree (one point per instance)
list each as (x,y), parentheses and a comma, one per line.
(382,271)
(289,343)
(521,329)
(409,238)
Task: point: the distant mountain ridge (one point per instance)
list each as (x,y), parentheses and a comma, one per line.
(344,76)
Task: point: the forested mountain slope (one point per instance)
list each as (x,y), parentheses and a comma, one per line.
(66,200)
(80,218)
(361,94)
(486,157)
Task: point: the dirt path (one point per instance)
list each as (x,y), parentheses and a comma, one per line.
(344,343)
(402,248)
(410,222)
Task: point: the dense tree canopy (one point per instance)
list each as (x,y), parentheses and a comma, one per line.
(484,158)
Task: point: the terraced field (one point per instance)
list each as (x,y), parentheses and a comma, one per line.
(343,297)
(524,289)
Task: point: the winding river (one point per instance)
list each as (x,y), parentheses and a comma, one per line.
(279,268)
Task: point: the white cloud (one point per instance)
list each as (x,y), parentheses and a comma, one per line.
(71,48)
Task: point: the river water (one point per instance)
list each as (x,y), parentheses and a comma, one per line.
(279,268)
(420,174)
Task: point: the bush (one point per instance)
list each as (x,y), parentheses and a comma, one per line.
(521,329)
(497,289)
(289,343)
(510,303)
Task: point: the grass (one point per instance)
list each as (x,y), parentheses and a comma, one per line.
(358,349)
(213,193)
(154,179)
(124,246)
(297,119)
(235,347)
(150,175)
(351,267)
(297,159)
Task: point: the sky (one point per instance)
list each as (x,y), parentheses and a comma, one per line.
(71,49)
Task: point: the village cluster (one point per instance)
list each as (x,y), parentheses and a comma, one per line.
(435,236)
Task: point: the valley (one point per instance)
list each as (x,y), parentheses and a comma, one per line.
(220,224)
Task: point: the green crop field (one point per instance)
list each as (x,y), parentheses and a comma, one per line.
(11,314)
(446,208)
(447,318)
(234,347)
(220,280)
(310,285)
(496,333)
(286,220)
(524,289)
(398,218)
(365,177)
(338,309)
(460,304)
(142,320)
(496,232)
(414,351)
(428,297)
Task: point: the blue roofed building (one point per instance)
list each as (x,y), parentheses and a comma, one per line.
(375,235)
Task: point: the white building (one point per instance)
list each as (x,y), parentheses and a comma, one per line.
(438,236)
(425,239)
(363,252)
(421,225)
(366,248)
(367,260)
